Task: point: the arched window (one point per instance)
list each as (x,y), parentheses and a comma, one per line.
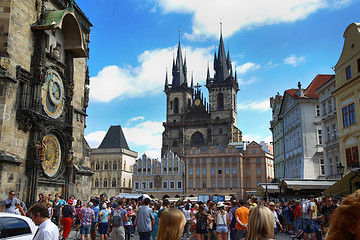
(105,182)
(97,166)
(113,183)
(124,165)
(110,165)
(129,183)
(220,131)
(176,107)
(174,143)
(106,166)
(220,98)
(189,103)
(114,165)
(96,182)
(197,140)
(100,182)
(124,183)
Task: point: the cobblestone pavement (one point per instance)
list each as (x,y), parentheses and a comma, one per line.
(280,236)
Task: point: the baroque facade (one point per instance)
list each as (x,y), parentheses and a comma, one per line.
(347,72)
(300,113)
(190,120)
(160,179)
(112,164)
(276,127)
(258,167)
(214,169)
(329,129)
(43,99)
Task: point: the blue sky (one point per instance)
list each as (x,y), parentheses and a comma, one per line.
(273,45)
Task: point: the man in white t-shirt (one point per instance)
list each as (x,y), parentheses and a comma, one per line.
(40,215)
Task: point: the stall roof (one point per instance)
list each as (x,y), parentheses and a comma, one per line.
(342,187)
(298,184)
(134,195)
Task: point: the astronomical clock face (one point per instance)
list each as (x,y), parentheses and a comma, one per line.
(51,163)
(52,94)
(197,102)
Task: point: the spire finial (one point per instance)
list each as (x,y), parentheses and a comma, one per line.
(179,33)
(221,27)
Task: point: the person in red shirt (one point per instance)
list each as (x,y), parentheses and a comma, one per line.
(297,216)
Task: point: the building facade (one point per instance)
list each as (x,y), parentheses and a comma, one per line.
(301,116)
(258,167)
(276,127)
(190,120)
(329,129)
(43,99)
(347,72)
(214,170)
(112,164)
(160,179)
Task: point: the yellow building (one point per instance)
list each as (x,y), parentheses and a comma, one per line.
(347,72)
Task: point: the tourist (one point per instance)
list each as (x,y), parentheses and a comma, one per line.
(104,222)
(8,205)
(56,211)
(241,216)
(78,208)
(19,210)
(345,219)
(156,224)
(307,215)
(187,214)
(94,222)
(117,218)
(67,214)
(276,219)
(232,219)
(326,212)
(212,224)
(194,211)
(50,209)
(222,222)
(40,216)
(254,201)
(261,223)
(202,219)
(145,220)
(87,215)
(171,224)
(128,223)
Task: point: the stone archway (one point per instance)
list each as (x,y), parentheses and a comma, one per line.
(197,139)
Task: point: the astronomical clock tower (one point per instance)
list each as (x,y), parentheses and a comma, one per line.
(44,95)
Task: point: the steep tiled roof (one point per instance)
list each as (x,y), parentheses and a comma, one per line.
(114,138)
(309,92)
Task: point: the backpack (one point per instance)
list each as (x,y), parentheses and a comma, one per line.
(117,218)
(305,207)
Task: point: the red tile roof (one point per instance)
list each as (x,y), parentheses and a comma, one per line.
(309,92)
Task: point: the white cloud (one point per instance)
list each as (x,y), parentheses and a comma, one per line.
(242,14)
(268,139)
(95,138)
(147,78)
(261,106)
(146,135)
(246,67)
(269,65)
(294,61)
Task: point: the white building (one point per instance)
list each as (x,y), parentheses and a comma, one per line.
(159,179)
(300,113)
(329,128)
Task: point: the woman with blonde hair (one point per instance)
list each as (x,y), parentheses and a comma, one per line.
(171,224)
(345,219)
(260,224)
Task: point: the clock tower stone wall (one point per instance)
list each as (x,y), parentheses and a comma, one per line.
(29,47)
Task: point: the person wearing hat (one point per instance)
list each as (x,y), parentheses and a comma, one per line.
(67,214)
(222,222)
(276,219)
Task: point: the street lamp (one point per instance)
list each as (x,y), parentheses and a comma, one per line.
(340,169)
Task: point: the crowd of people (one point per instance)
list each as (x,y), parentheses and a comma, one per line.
(163,220)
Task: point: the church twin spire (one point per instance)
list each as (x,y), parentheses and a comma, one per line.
(222,67)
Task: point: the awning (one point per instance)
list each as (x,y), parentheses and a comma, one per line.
(139,196)
(271,188)
(305,184)
(342,187)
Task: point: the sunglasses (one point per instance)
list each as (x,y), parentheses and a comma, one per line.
(13,194)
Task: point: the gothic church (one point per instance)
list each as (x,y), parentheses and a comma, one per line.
(190,120)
